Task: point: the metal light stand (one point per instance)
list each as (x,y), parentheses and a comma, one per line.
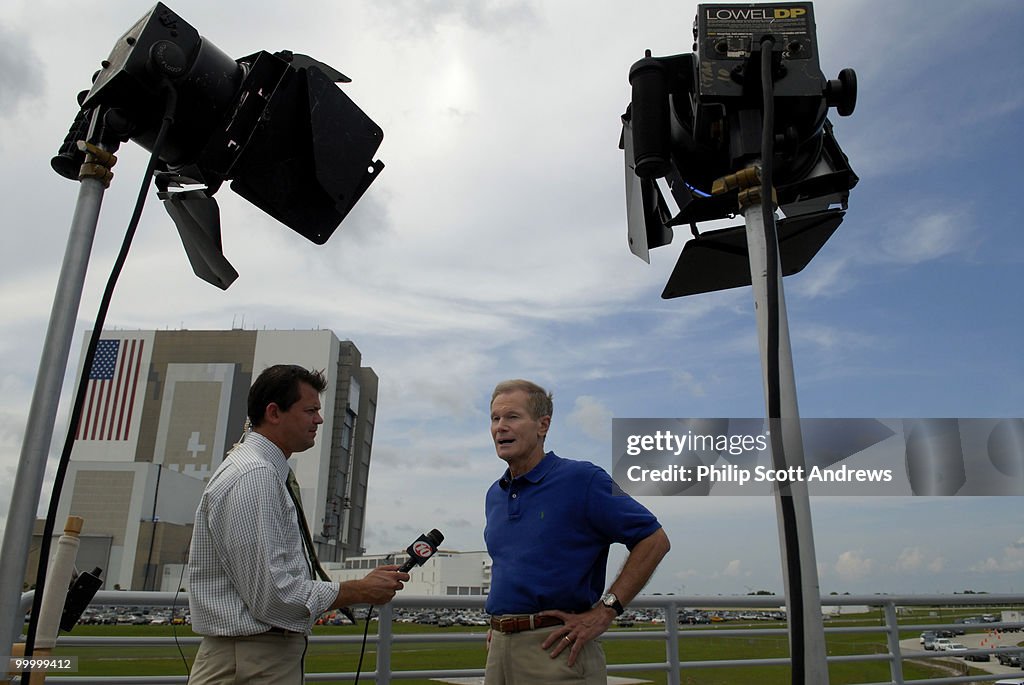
(95,178)
(808,604)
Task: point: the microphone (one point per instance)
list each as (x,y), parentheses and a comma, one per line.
(422,549)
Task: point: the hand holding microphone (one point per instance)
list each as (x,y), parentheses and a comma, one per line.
(376,587)
(380,585)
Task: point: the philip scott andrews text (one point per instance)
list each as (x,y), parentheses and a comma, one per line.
(759,474)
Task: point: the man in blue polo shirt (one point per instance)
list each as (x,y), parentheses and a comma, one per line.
(550,522)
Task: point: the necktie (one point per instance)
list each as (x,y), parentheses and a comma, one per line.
(307,539)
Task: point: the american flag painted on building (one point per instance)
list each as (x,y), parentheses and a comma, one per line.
(113,383)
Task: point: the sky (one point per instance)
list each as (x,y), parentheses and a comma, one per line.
(493,245)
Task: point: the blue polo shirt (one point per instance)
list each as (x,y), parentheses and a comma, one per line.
(548,533)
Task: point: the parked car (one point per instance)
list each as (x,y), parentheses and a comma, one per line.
(977,657)
(928,636)
(955,647)
(940,643)
(968,619)
(1008,657)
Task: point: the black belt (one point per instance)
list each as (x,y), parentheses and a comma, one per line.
(517,624)
(281,631)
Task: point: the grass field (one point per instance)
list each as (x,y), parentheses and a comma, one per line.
(161,660)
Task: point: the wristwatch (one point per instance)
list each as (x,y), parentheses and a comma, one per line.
(612,602)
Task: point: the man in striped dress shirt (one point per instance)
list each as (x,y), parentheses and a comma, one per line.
(252,591)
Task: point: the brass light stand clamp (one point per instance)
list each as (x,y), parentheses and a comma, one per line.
(748,182)
(97,163)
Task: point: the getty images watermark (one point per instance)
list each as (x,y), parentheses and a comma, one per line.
(933,457)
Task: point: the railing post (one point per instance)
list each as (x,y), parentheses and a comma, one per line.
(892,628)
(385,620)
(675,675)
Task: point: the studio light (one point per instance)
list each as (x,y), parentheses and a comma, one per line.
(696,118)
(739,126)
(275,125)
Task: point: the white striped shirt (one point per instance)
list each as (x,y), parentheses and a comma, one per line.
(248,570)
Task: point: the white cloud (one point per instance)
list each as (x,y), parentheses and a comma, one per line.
(915,560)
(823,277)
(489,16)
(989,565)
(926,237)
(686,574)
(733,569)
(1000,105)
(910,559)
(686,381)
(1012,560)
(591,416)
(21,77)
(852,566)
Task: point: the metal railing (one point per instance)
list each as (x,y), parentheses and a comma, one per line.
(385,639)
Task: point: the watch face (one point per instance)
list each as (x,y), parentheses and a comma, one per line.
(612,602)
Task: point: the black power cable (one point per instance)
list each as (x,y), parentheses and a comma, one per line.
(76,411)
(773,380)
(362,649)
(174,606)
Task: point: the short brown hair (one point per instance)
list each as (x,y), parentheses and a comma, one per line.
(538,400)
(279,384)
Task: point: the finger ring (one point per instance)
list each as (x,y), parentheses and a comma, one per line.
(566,638)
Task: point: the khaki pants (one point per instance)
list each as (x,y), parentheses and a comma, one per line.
(269,658)
(517,659)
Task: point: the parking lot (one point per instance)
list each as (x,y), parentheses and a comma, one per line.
(987,640)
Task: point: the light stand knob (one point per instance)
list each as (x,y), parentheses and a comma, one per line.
(841,93)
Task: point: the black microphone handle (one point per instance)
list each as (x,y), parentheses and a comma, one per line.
(407,566)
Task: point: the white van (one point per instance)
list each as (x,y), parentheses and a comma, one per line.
(1009,681)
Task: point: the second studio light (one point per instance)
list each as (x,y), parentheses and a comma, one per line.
(273,124)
